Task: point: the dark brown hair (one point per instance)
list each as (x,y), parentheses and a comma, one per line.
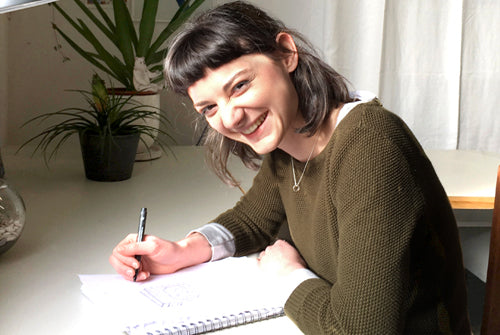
(235,29)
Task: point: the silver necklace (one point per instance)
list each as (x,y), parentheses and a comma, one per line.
(296,183)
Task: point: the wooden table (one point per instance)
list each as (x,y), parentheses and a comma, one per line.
(468,177)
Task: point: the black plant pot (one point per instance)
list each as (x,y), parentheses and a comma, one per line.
(108,158)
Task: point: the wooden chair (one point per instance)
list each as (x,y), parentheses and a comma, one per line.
(491,312)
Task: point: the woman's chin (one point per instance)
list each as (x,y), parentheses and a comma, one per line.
(262,149)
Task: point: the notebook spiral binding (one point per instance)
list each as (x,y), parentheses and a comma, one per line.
(231,320)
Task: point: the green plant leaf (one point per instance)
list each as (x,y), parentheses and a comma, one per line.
(158,57)
(109,32)
(103,60)
(90,57)
(182,7)
(180,16)
(125,32)
(72,22)
(114,64)
(147,26)
(122,34)
(104,16)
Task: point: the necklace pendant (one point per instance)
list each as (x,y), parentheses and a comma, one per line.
(296,183)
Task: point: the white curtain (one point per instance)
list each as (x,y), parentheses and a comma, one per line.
(436,63)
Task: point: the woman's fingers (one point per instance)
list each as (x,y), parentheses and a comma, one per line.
(123,256)
(123,259)
(123,267)
(120,267)
(280,258)
(143,275)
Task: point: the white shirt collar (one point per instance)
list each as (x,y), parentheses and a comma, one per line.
(361,96)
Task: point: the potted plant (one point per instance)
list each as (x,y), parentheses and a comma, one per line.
(108,130)
(135,61)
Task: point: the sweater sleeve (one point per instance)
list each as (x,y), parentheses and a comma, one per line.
(378,205)
(220,239)
(256,219)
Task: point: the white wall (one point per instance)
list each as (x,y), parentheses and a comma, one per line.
(37,77)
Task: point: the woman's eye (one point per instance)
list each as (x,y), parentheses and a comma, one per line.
(240,86)
(208,110)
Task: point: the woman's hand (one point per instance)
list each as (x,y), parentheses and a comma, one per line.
(280,259)
(158,256)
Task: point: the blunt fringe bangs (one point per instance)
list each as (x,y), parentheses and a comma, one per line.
(216,38)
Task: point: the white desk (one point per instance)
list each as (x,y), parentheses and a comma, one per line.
(73,223)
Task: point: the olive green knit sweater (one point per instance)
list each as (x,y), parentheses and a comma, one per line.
(373,222)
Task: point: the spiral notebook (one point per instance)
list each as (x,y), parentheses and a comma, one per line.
(197,300)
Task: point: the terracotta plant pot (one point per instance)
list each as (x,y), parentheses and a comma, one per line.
(109,158)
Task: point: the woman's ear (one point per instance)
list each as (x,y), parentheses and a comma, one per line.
(290,57)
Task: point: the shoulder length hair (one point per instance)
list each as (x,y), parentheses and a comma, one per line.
(235,29)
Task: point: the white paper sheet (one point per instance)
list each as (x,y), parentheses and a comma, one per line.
(205,292)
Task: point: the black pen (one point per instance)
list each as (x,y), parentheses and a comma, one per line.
(140,236)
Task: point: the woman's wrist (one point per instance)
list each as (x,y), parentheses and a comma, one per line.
(195,249)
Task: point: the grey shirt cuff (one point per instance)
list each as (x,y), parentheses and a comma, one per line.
(220,239)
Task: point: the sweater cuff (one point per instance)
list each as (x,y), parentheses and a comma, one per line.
(286,285)
(294,279)
(220,239)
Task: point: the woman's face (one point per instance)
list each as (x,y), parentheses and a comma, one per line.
(250,100)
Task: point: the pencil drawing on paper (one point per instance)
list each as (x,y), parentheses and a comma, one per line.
(170,295)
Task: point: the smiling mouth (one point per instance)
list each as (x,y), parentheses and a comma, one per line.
(256,125)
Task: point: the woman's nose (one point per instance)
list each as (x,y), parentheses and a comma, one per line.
(232,117)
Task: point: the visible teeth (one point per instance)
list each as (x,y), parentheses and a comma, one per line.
(255,125)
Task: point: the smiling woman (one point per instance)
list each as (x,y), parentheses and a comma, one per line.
(210,46)
(252,100)
(374,245)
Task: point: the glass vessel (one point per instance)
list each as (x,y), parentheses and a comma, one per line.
(12,216)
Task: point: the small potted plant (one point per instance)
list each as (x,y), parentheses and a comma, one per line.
(108,128)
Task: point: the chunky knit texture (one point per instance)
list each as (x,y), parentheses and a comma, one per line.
(373,222)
